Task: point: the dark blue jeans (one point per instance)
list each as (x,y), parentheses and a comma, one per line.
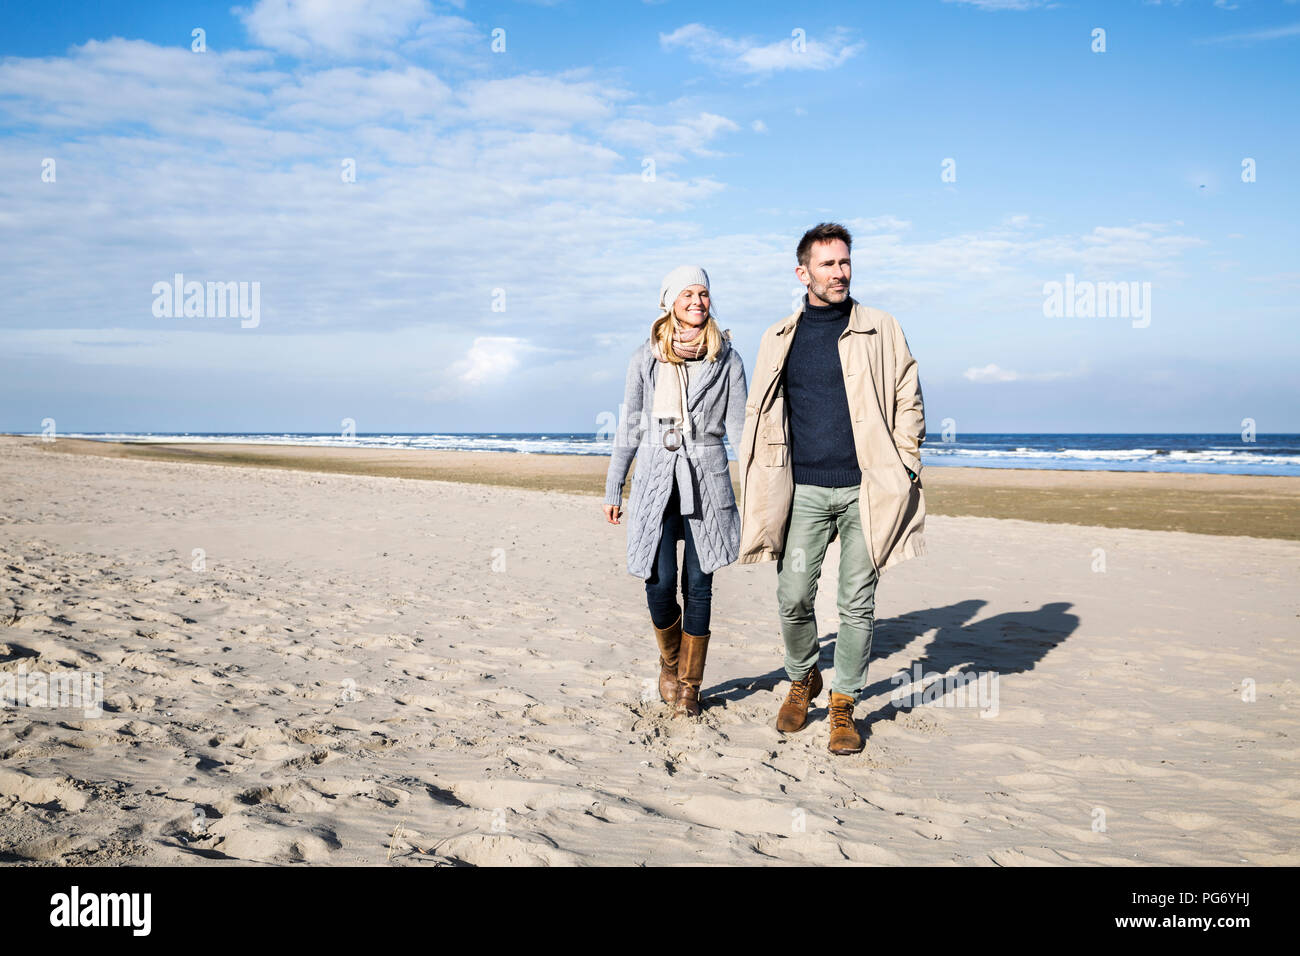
(661,586)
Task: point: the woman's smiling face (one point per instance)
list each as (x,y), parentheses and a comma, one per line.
(692,305)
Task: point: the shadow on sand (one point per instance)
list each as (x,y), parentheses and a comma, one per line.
(1009,643)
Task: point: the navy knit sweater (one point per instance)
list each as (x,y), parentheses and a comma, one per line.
(821,428)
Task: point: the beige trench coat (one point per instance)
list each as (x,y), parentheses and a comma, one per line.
(884,393)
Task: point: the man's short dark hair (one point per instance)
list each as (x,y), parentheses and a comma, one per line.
(822,232)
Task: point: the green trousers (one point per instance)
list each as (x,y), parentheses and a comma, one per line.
(814,513)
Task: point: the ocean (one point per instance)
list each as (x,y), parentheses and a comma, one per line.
(1214,454)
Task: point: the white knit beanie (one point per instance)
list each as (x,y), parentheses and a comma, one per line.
(679,279)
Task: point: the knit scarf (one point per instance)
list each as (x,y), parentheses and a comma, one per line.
(688,341)
(670,401)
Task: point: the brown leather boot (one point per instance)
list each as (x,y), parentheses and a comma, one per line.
(670,641)
(845,738)
(794,710)
(690,673)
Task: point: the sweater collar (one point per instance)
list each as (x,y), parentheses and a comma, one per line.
(835,312)
(860,319)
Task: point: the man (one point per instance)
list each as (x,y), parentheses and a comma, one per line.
(832,445)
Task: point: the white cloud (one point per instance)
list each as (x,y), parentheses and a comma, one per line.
(990,373)
(750,55)
(225,167)
(198,345)
(103,82)
(1256,36)
(306,28)
(668,139)
(490,367)
(347,96)
(444,35)
(1020,221)
(877,224)
(994,373)
(537,100)
(490,360)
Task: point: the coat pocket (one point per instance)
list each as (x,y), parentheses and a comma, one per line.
(775,454)
(911,463)
(719,480)
(773,449)
(713,479)
(721,496)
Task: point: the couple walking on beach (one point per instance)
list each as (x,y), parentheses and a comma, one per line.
(830,432)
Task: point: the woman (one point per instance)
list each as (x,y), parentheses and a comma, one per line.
(685,392)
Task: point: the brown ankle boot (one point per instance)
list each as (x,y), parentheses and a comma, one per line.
(845,738)
(670,641)
(690,673)
(794,711)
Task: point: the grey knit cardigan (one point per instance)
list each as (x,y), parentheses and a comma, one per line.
(716,401)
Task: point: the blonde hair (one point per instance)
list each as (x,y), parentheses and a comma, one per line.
(661,332)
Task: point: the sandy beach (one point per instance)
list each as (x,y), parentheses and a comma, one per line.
(404,667)
(1255,506)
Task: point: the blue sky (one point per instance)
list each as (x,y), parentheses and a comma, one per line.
(524,171)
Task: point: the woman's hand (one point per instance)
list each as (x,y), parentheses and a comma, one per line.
(612,513)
